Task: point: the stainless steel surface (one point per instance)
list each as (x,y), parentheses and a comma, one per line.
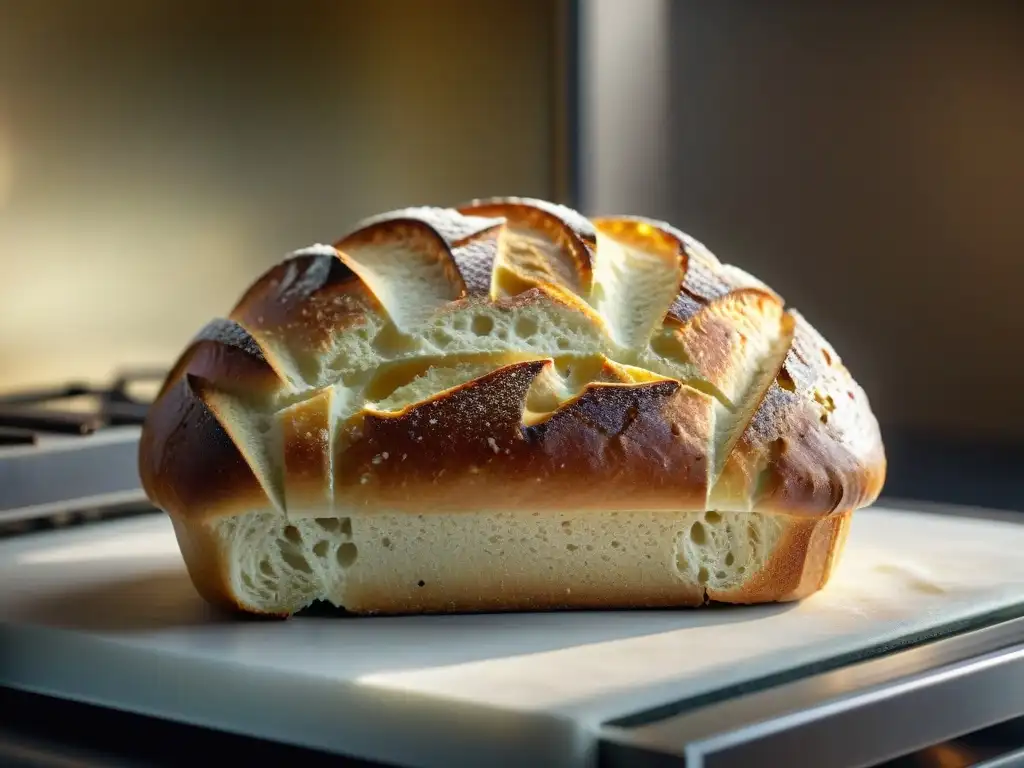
(44,731)
(66,473)
(867,728)
(1012,760)
(860,714)
(106,614)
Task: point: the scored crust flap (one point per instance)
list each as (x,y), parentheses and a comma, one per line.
(189,463)
(473,240)
(306,437)
(542,244)
(812,445)
(710,393)
(296,308)
(509,406)
(469,446)
(226,353)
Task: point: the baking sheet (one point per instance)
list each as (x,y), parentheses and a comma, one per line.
(105,613)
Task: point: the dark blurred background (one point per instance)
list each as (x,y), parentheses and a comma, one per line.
(866,158)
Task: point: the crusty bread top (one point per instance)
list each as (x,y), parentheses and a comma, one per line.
(509,354)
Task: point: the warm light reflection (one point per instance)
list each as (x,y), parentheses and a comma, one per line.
(125,546)
(151,187)
(6,168)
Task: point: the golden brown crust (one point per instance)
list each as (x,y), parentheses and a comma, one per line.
(300,303)
(812,447)
(735,403)
(705,279)
(474,257)
(716,338)
(306,447)
(647,441)
(802,563)
(466,246)
(572,236)
(188,463)
(207,567)
(418,237)
(225,353)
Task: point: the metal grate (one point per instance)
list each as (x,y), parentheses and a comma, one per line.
(68,453)
(76,409)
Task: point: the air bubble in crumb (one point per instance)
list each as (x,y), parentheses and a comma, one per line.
(320,548)
(525,327)
(295,560)
(697,534)
(346,526)
(482,325)
(346,554)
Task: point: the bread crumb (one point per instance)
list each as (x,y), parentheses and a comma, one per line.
(494,444)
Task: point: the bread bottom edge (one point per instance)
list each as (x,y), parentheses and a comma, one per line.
(261,563)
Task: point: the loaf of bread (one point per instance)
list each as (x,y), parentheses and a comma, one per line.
(507,406)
